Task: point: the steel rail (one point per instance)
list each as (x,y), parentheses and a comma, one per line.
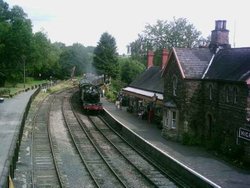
(96,148)
(76,147)
(175,178)
(118,150)
(60,184)
(51,146)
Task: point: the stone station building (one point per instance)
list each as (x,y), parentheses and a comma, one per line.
(200,95)
(206,95)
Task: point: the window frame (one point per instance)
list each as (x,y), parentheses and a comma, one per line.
(173,120)
(235,95)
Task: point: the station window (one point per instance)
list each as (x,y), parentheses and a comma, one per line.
(236,95)
(173,123)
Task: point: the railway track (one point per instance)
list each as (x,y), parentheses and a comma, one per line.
(125,163)
(74,173)
(146,167)
(69,149)
(96,164)
(44,165)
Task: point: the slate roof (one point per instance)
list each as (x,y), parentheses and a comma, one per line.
(149,80)
(193,61)
(230,64)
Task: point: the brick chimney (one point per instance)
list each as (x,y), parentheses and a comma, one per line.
(150,58)
(219,36)
(164,58)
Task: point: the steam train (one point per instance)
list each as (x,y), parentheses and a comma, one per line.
(90,93)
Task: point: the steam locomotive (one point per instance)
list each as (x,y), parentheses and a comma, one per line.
(90,94)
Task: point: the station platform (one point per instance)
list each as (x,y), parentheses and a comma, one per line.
(11,115)
(195,158)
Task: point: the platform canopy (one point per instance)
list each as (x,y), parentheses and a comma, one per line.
(142,93)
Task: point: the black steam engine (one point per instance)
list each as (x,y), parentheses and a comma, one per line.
(90,94)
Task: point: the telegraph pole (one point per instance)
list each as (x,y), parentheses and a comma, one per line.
(23,58)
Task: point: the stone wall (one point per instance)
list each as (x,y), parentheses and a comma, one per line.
(204,117)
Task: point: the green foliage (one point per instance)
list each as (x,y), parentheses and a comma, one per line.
(165,34)
(15,35)
(110,95)
(43,57)
(232,151)
(185,139)
(106,57)
(76,56)
(22,51)
(130,69)
(191,140)
(4,91)
(115,87)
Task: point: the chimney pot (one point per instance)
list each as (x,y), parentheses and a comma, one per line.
(164,58)
(150,59)
(224,24)
(219,36)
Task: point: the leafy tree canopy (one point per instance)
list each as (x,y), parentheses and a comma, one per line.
(106,57)
(130,69)
(76,57)
(165,34)
(15,41)
(22,51)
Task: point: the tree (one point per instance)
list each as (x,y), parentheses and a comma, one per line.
(39,55)
(165,34)
(130,69)
(4,30)
(15,41)
(106,57)
(76,56)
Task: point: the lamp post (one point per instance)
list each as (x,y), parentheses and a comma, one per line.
(23,58)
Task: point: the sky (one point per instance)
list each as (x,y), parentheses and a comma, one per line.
(84,21)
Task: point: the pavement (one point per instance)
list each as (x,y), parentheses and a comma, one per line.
(195,158)
(11,115)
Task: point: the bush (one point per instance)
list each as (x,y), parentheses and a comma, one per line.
(191,140)
(29,79)
(185,138)
(117,85)
(110,95)
(4,92)
(231,150)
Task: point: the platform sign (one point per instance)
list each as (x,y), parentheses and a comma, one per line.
(244,133)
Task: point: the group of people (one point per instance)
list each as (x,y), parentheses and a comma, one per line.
(146,113)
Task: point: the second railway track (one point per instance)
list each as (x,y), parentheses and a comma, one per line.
(44,166)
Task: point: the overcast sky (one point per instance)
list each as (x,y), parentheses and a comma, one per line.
(84,21)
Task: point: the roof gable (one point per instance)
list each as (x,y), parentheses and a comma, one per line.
(149,80)
(230,64)
(193,61)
